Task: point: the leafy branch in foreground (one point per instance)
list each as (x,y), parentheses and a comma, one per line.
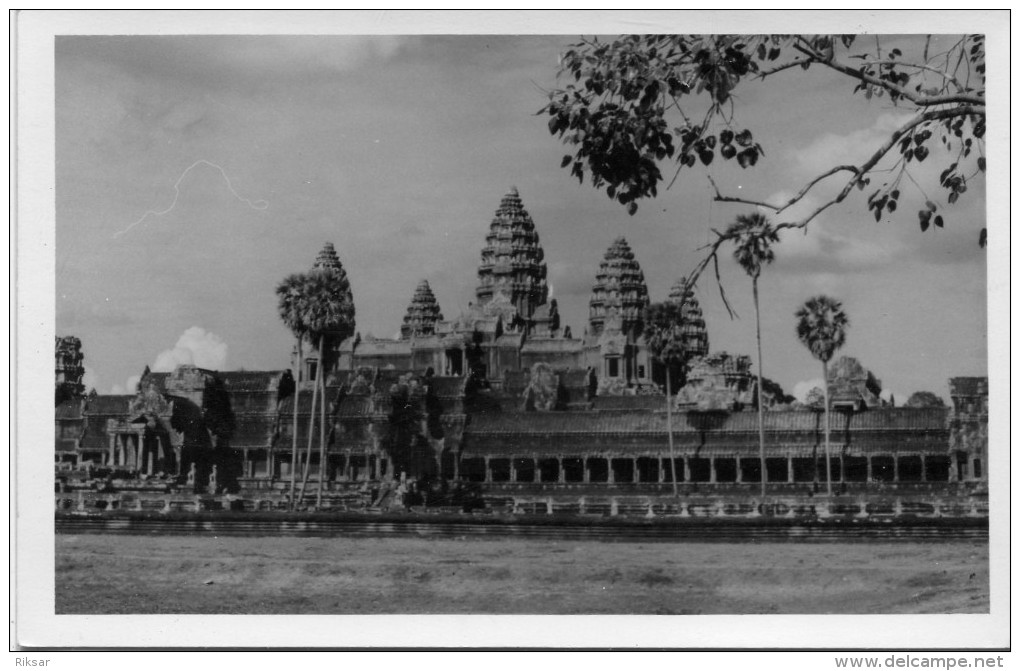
(641,103)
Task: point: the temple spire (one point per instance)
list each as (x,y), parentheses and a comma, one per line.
(422,314)
(328,259)
(619,290)
(694,331)
(512,260)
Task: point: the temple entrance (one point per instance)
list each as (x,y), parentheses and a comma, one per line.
(936,468)
(357,467)
(143,450)
(473,469)
(598,469)
(701,469)
(623,470)
(883,469)
(448,465)
(910,469)
(668,469)
(804,469)
(525,470)
(750,470)
(500,468)
(648,469)
(961,466)
(573,470)
(776,470)
(725,469)
(454,363)
(549,470)
(856,469)
(835,463)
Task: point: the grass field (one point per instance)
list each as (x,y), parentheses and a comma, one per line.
(205,575)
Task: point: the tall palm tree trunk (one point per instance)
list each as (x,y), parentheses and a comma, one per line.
(311,429)
(828,463)
(761,409)
(669,429)
(322,427)
(294,449)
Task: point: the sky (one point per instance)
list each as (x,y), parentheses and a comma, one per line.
(193,173)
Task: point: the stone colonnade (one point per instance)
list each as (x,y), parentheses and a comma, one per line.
(132,451)
(645,469)
(268,464)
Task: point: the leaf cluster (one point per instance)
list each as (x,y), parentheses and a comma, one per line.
(664,332)
(753,237)
(821,326)
(640,102)
(317,303)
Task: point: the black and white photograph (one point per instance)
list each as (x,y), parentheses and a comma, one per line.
(651,315)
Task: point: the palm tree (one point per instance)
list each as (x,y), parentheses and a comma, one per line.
(663,330)
(821,326)
(329,314)
(753,236)
(291,307)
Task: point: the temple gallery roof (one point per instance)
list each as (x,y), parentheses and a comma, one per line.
(968,386)
(635,421)
(251,381)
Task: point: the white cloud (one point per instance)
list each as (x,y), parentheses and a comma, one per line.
(197,347)
(292,54)
(802,388)
(828,244)
(889,394)
(129,387)
(854,147)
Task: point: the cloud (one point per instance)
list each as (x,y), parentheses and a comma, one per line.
(823,250)
(890,395)
(232,60)
(856,146)
(802,388)
(848,234)
(196,347)
(129,387)
(828,244)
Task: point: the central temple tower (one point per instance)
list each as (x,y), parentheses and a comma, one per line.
(513,262)
(619,294)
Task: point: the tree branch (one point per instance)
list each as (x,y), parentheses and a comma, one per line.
(732,199)
(807,187)
(942,73)
(762,74)
(920,101)
(859,171)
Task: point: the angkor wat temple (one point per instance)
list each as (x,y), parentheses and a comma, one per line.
(505,396)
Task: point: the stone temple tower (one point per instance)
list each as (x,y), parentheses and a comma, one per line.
(694,331)
(69,368)
(327,261)
(619,295)
(422,314)
(512,260)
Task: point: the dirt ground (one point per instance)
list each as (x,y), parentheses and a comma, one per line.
(204,575)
